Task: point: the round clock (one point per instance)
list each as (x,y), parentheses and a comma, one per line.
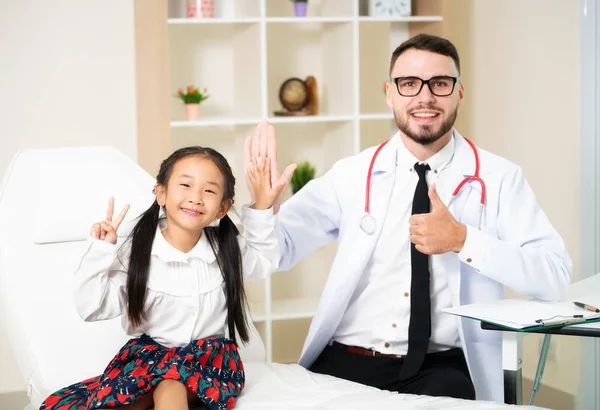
(294,94)
(383,8)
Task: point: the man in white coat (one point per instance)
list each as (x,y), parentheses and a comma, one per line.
(421,249)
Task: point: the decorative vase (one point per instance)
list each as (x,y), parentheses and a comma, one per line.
(200,8)
(300,8)
(192,111)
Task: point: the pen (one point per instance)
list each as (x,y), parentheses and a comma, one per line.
(561,321)
(589,308)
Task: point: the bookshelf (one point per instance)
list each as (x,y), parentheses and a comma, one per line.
(242,56)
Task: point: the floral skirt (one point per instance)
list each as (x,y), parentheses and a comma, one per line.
(210,368)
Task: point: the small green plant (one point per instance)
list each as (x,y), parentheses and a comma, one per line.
(302,175)
(192,95)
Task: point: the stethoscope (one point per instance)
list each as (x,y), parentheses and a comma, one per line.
(368,223)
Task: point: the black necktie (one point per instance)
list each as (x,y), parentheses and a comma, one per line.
(419,328)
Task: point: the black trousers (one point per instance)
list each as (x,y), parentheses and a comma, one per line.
(442,374)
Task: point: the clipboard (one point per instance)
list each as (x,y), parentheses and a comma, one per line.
(525,315)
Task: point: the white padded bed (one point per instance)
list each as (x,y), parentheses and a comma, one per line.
(48,200)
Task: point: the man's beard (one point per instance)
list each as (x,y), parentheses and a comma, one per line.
(426,135)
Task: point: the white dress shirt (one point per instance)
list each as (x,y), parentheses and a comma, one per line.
(185,296)
(378,315)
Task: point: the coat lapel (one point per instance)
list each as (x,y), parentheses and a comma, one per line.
(462,165)
(361,246)
(358,246)
(383,177)
(354,252)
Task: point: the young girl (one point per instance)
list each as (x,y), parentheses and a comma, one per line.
(177,282)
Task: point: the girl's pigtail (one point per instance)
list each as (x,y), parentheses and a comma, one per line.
(142,238)
(229,259)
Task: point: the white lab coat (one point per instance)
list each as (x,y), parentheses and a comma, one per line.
(525,253)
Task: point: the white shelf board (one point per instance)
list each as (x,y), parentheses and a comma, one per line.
(377,116)
(309,19)
(282,309)
(318,19)
(209,122)
(246,20)
(310,119)
(398,19)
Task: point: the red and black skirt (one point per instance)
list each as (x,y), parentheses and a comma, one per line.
(210,368)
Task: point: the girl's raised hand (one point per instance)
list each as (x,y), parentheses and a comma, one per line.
(259,177)
(107,230)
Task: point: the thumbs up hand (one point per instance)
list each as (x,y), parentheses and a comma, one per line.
(436,232)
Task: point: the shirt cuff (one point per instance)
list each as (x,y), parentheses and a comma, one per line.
(476,249)
(102,247)
(257,214)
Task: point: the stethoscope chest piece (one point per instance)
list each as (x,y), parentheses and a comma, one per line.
(368,224)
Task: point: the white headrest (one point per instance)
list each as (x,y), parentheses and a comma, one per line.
(74,185)
(49,196)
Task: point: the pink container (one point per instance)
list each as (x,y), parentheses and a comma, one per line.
(200,8)
(192,111)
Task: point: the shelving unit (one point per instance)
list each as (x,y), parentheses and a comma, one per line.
(242,56)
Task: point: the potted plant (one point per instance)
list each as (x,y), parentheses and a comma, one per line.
(192,97)
(302,175)
(300,7)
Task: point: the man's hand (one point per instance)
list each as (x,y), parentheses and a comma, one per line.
(436,232)
(262,145)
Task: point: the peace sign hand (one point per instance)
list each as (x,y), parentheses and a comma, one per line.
(107,230)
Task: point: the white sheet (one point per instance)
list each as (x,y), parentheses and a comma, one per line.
(274,386)
(292,387)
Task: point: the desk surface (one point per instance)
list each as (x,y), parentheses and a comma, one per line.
(584,330)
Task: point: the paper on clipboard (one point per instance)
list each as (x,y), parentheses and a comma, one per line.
(521,314)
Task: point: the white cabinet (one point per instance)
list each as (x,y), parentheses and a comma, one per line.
(242,56)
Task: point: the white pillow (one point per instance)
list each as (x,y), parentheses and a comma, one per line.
(74,185)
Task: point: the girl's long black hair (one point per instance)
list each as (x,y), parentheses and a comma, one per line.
(222,239)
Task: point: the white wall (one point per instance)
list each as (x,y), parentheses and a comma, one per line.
(524,93)
(67,78)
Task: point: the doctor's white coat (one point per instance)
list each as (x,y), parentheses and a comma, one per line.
(524,252)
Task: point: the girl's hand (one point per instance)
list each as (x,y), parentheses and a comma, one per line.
(259,177)
(107,230)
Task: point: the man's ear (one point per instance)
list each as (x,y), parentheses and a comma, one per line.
(389,89)
(461,94)
(225,207)
(161,194)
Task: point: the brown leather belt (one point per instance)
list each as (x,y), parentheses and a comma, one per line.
(364,352)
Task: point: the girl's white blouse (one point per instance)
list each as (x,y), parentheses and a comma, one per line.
(185,297)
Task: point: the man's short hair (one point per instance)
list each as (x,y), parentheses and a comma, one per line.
(427,42)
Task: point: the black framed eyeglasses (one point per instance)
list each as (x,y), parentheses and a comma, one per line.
(440,86)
